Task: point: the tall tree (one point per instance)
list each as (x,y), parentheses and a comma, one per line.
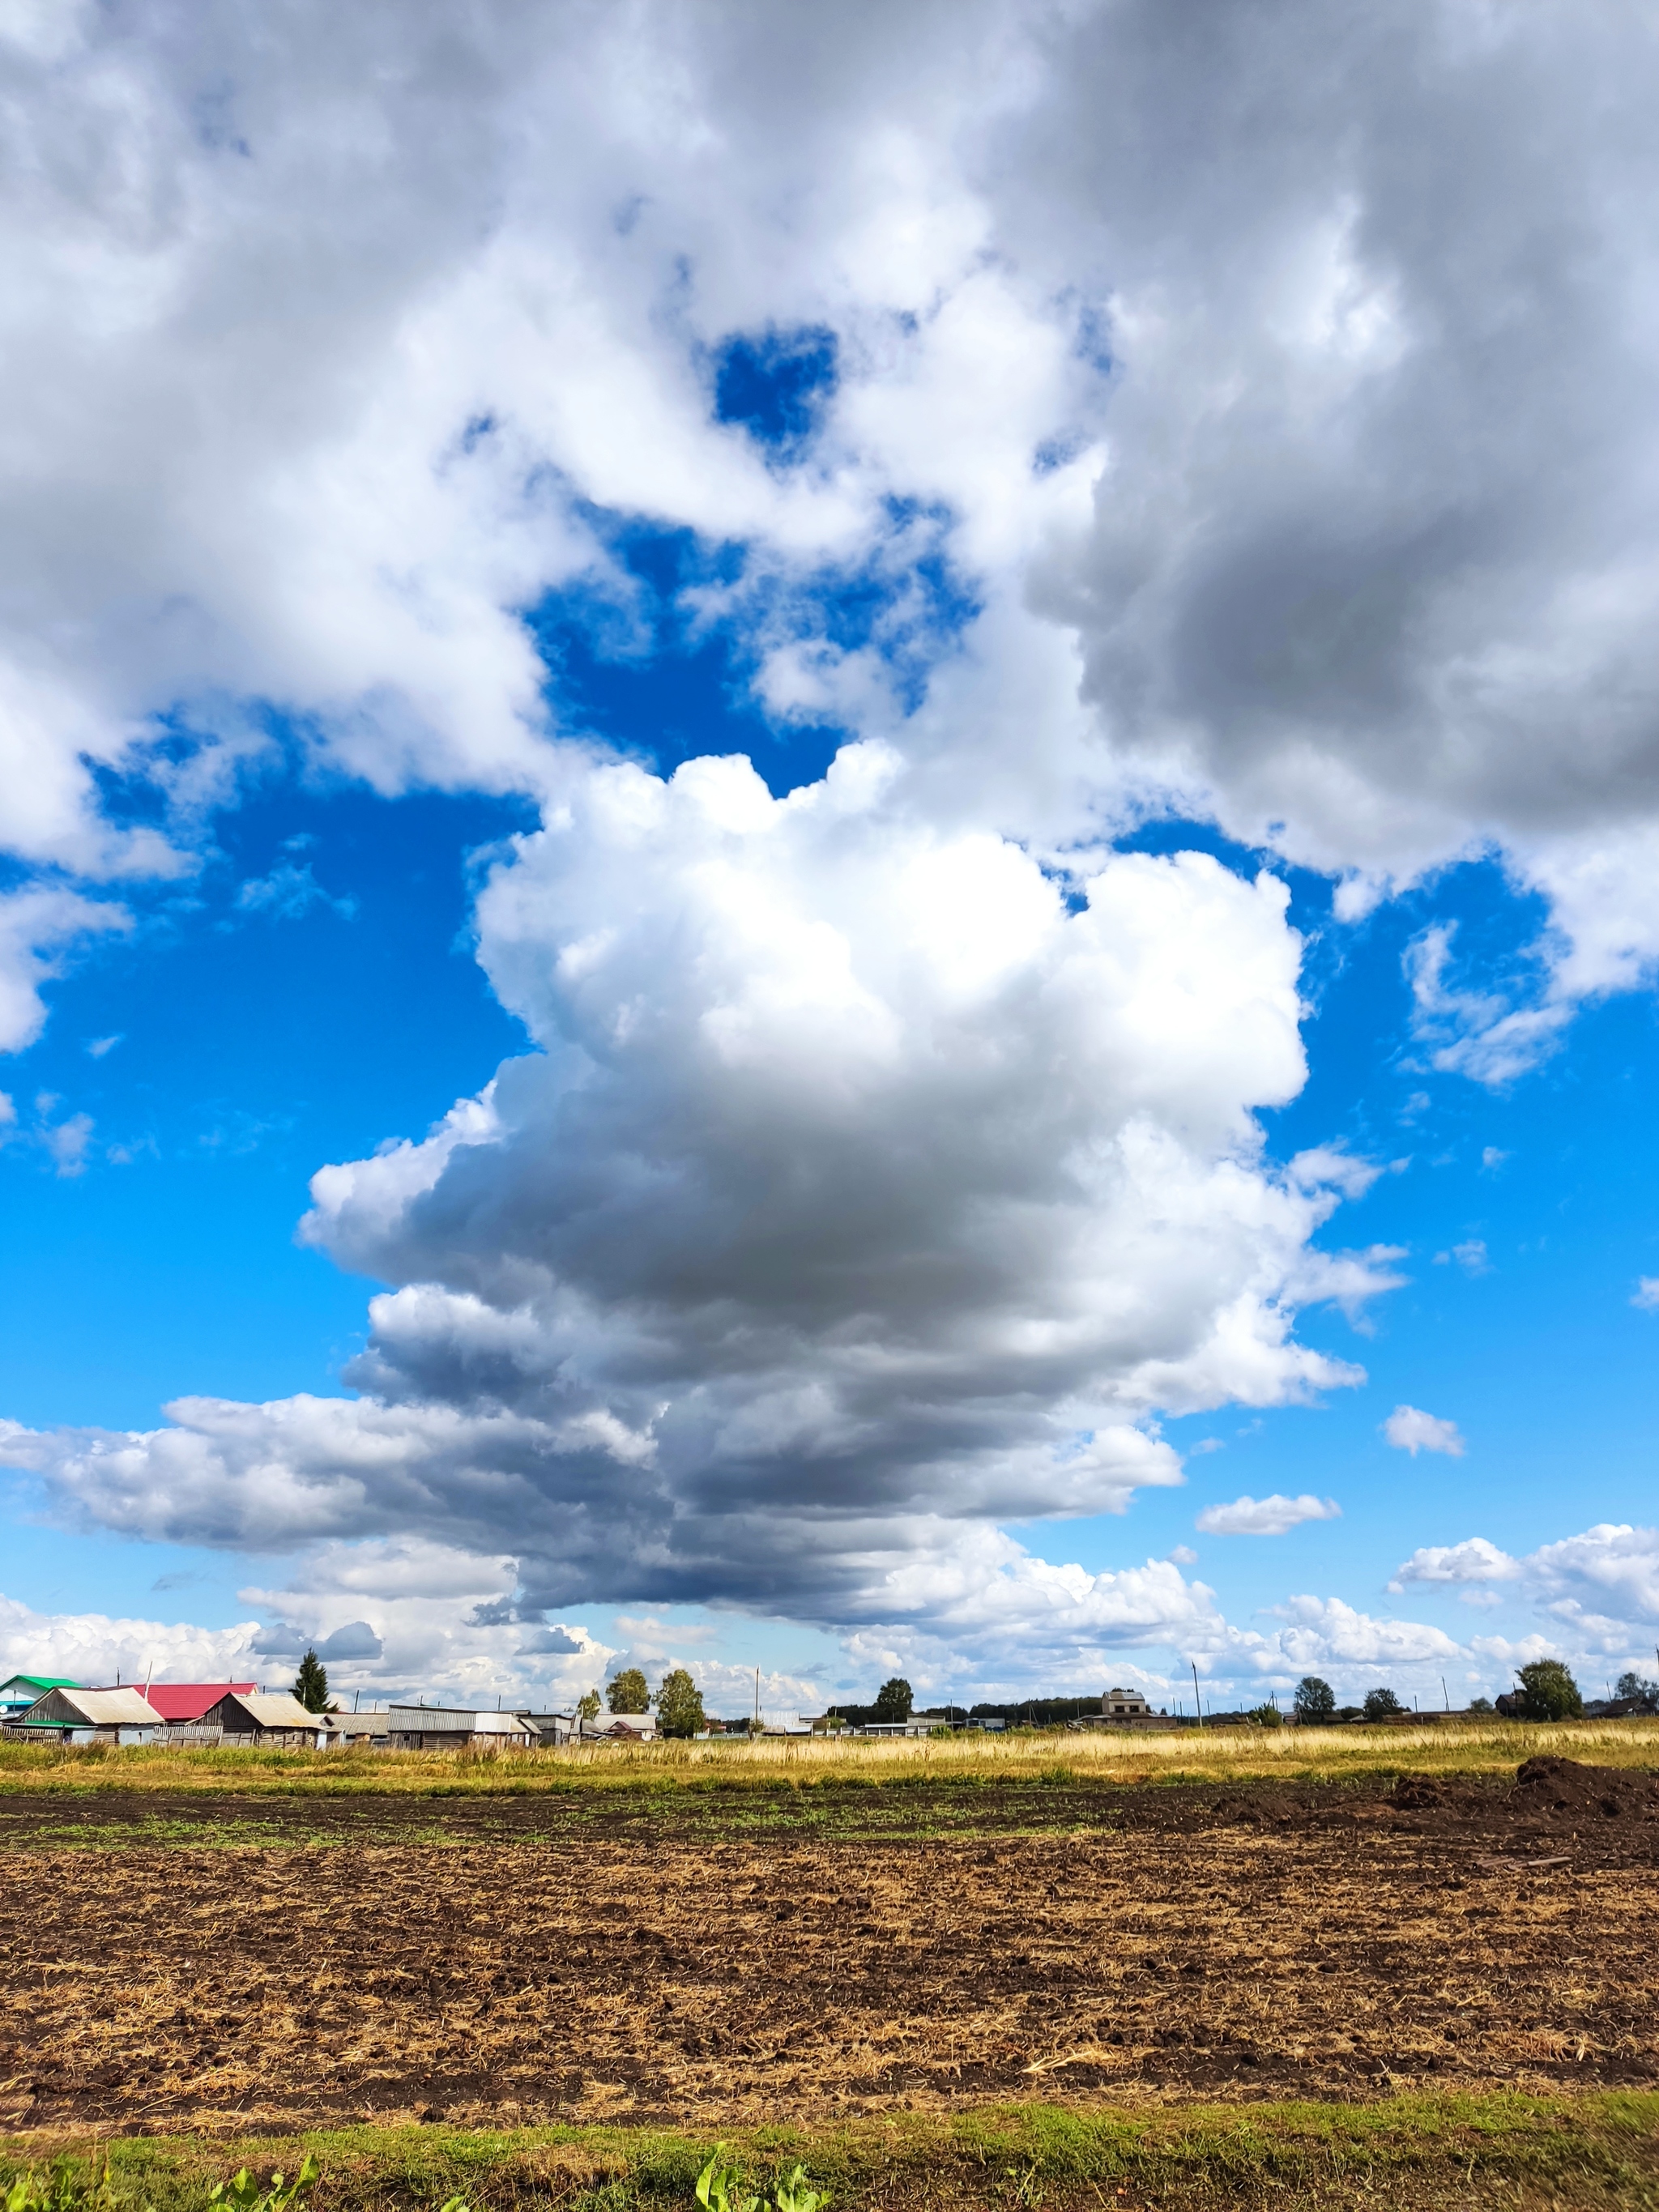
(893,1699)
(629,1692)
(680,1705)
(587,1705)
(311,1684)
(1315,1700)
(1548,1692)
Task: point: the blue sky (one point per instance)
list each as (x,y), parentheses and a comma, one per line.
(903,1209)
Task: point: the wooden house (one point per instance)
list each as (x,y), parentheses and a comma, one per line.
(279,1721)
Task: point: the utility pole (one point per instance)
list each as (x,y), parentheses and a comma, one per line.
(756,1729)
(1445,1692)
(1198,1702)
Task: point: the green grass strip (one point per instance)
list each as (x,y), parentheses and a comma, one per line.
(1408,2151)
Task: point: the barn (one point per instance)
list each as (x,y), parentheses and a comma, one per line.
(277,1720)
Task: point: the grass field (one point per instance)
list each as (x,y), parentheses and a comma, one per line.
(1413,2152)
(1214,1755)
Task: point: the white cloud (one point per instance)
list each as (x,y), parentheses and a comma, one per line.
(1327,576)
(1321,1632)
(861,1191)
(1475,1560)
(1645,1298)
(1408,1429)
(1301,549)
(93,1648)
(1266,1516)
(1601,1587)
(858,1194)
(1470,1255)
(287,892)
(37,927)
(405,1613)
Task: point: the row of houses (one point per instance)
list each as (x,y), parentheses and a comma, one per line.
(53,1709)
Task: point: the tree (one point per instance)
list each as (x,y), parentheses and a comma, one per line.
(1547,1693)
(1480,1705)
(311,1684)
(893,1699)
(680,1705)
(587,1706)
(1632,1685)
(1316,1701)
(629,1692)
(1267,1716)
(1380,1704)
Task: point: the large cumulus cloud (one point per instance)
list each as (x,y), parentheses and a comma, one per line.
(869,1185)
(1284,391)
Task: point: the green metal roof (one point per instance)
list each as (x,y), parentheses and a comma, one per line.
(41,1683)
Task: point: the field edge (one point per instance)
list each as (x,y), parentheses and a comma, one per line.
(1409,2149)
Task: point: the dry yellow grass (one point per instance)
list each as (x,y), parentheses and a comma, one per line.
(1215,1755)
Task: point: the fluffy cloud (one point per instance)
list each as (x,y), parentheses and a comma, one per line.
(1475,1560)
(1266,1516)
(1409,1429)
(1645,1296)
(1325,1632)
(328,351)
(1325,474)
(37,926)
(404,1613)
(1369,561)
(1600,1588)
(90,1647)
(860,1192)
(864,1189)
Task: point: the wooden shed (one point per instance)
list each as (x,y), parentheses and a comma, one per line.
(70,1716)
(448,1727)
(278,1720)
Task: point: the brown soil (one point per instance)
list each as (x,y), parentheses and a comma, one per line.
(1267,1942)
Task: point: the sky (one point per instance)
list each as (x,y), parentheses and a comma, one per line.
(828,845)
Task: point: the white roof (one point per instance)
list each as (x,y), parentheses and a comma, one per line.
(103,1708)
(278,1708)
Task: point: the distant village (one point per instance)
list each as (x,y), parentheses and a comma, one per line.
(53,1710)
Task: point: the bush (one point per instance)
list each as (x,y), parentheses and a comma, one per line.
(1316,1701)
(1481,1705)
(680,1705)
(893,1699)
(629,1692)
(1547,1693)
(1267,1716)
(1381,1706)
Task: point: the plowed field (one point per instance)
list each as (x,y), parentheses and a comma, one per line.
(1154,1943)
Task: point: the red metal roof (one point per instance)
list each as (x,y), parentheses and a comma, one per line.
(187,1701)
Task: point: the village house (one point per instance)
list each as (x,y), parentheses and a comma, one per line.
(183,1706)
(1125,1706)
(1123,1709)
(441,1728)
(79,1717)
(367,1731)
(277,1721)
(19,1691)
